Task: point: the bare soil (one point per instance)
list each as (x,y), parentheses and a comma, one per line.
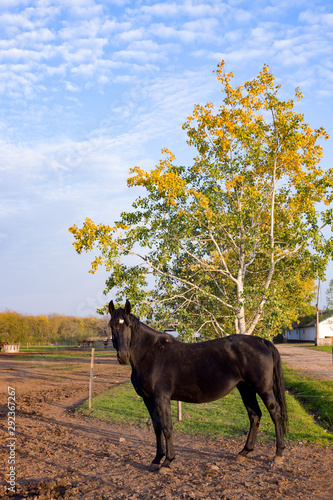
(60,454)
(310,362)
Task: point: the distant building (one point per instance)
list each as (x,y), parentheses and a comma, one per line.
(10,348)
(172,332)
(307,332)
(172,329)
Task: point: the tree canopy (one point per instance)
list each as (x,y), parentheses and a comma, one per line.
(233,241)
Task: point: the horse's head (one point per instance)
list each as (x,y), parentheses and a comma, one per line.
(120,324)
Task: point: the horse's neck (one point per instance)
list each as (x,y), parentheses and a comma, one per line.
(143,338)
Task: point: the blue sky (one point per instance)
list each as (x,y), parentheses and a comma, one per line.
(89,89)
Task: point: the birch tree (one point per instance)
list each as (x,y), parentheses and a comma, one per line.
(233,241)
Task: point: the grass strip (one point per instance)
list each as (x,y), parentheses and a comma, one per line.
(316,396)
(225,417)
(46,347)
(58,367)
(68,355)
(323,348)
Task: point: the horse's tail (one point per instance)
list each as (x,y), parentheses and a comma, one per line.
(278,385)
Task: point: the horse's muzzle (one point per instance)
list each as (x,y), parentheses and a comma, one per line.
(123,357)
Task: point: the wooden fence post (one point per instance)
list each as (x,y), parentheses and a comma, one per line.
(91,375)
(179,411)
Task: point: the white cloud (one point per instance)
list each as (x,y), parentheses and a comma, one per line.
(83,46)
(174,10)
(234,36)
(137,55)
(173,34)
(146,51)
(236,56)
(110,26)
(5,4)
(162,9)
(10,206)
(103,79)
(316,17)
(328,19)
(203,24)
(8,20)
(16,84)
(147,45)
(162,31)
(35,38)
(33,41)
(83,8)
(71,87)
(77,56)
(96,69)
(290,58)
(17,54)
(131,35)
(85,70)
(204,9)
(85,29)
(241,15)
(262,35)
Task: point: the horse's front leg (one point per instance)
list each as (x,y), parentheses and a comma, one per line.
(160,453)
(163,407)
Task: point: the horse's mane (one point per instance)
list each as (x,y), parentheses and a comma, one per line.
(135,322)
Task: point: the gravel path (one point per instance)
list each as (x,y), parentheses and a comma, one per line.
(309,361)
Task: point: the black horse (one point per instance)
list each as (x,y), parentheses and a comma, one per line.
(165,369)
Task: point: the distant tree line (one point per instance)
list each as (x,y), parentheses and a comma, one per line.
(51,329)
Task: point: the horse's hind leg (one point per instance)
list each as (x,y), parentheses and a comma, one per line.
(249,398)
(155,465)
(275,412)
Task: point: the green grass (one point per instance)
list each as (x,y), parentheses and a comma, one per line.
(225,417)
(46,347)
(324,348)
(59,367)
(316,396)
(68,355)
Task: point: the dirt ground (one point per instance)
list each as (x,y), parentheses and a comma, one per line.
(60,454)
(310,362)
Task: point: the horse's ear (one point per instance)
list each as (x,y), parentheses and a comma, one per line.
(111,307)
(127,307)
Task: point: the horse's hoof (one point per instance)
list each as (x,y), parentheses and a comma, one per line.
(164,470)
(278,461)
(241,458)
(154,467)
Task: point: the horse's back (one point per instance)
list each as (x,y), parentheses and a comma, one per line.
(227,349)
(251,356)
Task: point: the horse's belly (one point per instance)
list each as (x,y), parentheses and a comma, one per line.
(197,394)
